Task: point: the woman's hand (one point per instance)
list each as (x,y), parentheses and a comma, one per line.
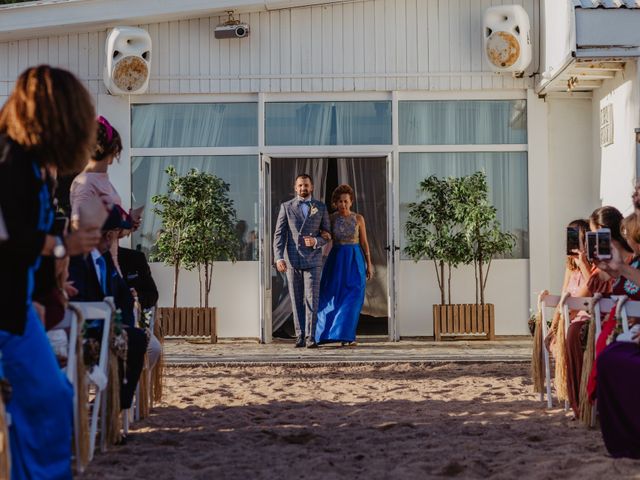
(82,241)
(612,266)
(69,289)
(326,235)
(370,271)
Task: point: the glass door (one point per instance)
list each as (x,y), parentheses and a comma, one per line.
(266,250)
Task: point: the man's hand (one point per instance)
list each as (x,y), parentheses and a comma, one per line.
(310,241)
(281,266)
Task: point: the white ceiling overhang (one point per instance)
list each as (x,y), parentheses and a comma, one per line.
(51,17)
(607,34)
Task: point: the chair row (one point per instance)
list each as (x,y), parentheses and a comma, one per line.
(601,306)
(97,383)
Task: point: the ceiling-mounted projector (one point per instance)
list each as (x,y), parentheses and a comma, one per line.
(232,28)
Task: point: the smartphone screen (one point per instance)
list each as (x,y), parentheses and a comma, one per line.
(604,243)
(573,240)
(591,245)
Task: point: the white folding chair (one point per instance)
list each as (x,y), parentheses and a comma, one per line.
(546,302)
(99,311)
(72,321)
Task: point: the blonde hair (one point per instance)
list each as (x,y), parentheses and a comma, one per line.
(51,115)
(630,227)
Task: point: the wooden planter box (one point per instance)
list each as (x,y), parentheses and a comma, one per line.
(188,322)
(464,320)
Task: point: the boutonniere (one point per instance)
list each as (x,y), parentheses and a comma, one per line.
(313,210)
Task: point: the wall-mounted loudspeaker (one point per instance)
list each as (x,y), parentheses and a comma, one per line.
(507,42)
(128,53)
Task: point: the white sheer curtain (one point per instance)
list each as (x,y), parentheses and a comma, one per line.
(149,179)
(283,174)
(367,177)
(506,176)
(328,123)
(194,125)
(462,122)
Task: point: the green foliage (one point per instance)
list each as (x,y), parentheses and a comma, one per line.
(198,225)
(455,224)
(433,231)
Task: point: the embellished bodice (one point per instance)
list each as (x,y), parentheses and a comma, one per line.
(345,229)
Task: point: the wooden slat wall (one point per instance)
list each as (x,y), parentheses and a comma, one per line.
(364,45)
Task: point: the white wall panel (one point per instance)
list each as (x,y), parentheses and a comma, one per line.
(364,45)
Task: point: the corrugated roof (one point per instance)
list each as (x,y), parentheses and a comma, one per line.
(606,3)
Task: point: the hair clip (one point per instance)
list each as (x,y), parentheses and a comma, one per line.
(107,126)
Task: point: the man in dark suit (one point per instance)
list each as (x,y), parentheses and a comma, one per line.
(137,274)
(96,277)
(297,247)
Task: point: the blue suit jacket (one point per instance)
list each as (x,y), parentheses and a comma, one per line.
(291,227)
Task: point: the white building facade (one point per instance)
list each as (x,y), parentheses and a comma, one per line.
(383,91)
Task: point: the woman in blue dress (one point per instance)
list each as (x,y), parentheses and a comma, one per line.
(345,273)
(46,127)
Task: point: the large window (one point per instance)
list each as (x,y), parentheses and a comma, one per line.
(463,122)
(165,130)
(161,125)
(148,178)
(328,123)
(506,175)
(499,126)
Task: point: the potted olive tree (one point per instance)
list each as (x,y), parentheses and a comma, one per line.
(198,229)
(456,225)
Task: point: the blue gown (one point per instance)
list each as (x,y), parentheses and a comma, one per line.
(343,284)
(41,405)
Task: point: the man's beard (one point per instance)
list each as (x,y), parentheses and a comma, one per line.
(635,198)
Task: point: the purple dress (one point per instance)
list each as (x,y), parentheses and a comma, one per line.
(618,388)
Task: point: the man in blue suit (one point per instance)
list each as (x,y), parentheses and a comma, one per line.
(297,247)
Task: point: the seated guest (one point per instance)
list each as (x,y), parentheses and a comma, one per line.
(137,275)
(598,282)
(96,277)
(618,363)
(577,273)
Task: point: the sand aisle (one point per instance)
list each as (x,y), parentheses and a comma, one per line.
(357,422)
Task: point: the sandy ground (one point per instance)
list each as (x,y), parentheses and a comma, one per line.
(357,422)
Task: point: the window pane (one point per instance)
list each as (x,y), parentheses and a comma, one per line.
(148,178)
(328,123)
(194,125)
(464,122)
(506,175)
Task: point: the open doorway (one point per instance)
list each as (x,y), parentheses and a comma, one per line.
(368,177)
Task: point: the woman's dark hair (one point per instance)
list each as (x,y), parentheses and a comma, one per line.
(51,115)
(108,142)
(611,218)
(339,191)
(583,227)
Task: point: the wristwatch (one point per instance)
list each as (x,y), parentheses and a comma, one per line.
(59,251)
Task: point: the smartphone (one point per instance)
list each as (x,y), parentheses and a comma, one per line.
(592,239)
(604,243)
(573,240)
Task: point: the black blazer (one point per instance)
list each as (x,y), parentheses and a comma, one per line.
(137,274)
(21,203)
(83,275)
